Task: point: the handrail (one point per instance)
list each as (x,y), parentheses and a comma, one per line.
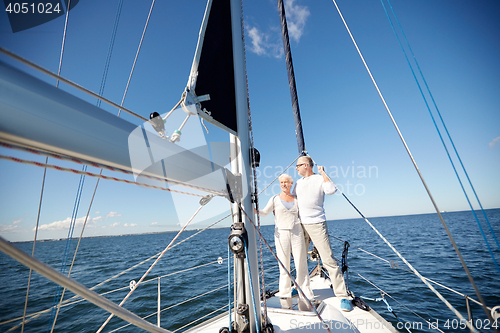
(76,287)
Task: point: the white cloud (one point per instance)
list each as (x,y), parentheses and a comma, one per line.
(7,228)
(130,225)
(296,16)
(494,141)
(112,214)
(17,221)
(154,223)
(258,38)
(271,43)
(116,224)
(64,224)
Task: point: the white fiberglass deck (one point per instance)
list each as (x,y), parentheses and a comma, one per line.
(285,320)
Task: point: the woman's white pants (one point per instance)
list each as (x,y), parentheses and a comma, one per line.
(291,241)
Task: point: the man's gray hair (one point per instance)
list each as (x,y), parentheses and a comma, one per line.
(309,160)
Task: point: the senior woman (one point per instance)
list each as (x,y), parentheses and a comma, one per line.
(289,238)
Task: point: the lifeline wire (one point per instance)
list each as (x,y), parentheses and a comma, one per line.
(150,268)
(430,280)
(384,293)
(68,302)
(441,137)
(416,168)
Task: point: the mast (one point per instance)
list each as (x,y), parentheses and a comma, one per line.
(243,139)
(291,81)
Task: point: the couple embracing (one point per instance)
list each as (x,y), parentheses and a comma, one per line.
(299,215)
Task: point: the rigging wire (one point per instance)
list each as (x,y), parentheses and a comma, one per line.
(76,251)
(439,132)
(34,243)
(86,173)
(53,315)
(254,174)
(46,160)
(68,246)
(97,165)
(458,314)
(136,56)
(68,82)
(416,168)
(101,92)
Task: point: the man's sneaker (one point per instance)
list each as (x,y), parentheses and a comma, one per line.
(345,305)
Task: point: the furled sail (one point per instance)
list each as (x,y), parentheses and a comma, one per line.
(212,72)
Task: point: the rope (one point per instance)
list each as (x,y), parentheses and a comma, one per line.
(68,82)
(150,268)
(103,166)
(86,173)
(439,132)
(416,168)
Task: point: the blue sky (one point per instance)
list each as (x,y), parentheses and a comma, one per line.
(345,125)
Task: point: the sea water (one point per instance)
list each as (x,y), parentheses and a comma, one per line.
(375,270)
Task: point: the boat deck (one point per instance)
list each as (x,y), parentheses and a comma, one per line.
(297,321)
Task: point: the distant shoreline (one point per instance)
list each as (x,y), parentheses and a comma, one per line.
(264,225)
